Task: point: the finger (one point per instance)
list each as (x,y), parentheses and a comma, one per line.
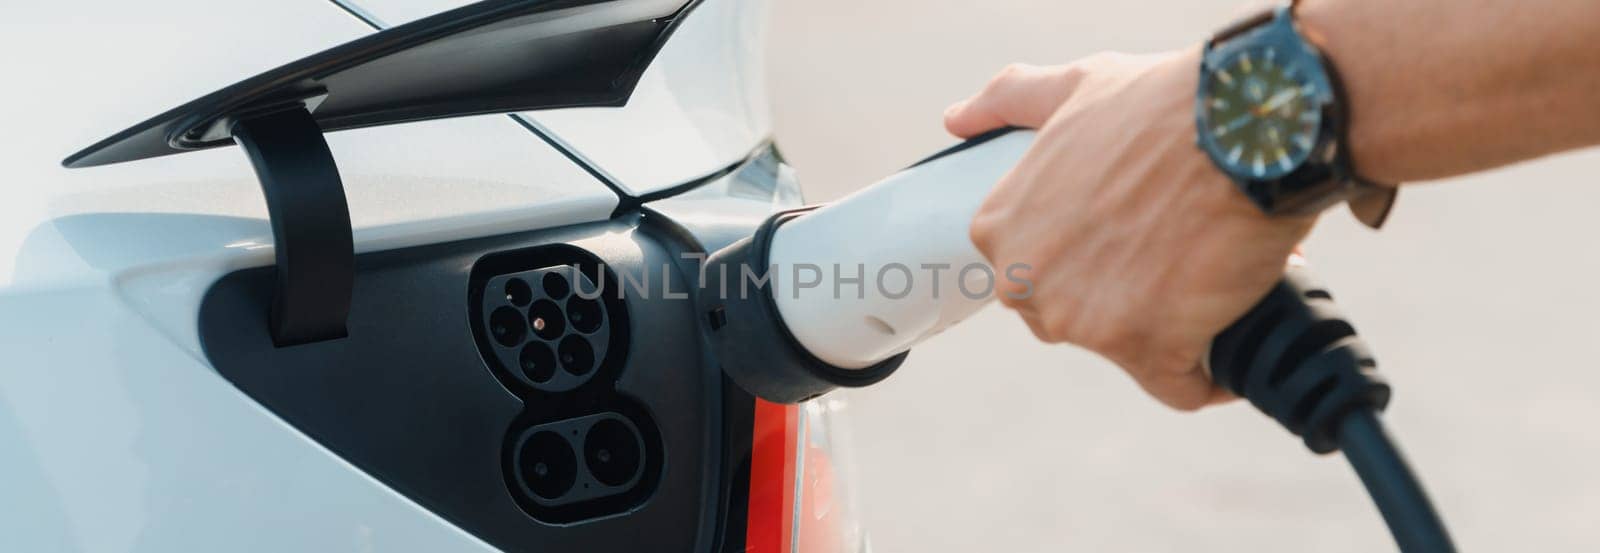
(1020,95)
(1220,395)
(1184,391)
(1034,322)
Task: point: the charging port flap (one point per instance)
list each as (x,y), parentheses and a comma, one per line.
(495,56)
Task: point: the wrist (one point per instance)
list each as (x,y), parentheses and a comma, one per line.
(1375,116)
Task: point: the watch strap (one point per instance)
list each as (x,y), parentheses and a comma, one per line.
(1239,26)
(1369,201)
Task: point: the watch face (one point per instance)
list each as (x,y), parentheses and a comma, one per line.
(1261,112)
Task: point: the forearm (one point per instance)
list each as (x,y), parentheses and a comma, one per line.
(1444,87)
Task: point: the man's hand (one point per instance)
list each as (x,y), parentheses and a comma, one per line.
(1141,250)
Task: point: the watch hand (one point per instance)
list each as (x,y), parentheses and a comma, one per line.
(1238,122)
(1276,101)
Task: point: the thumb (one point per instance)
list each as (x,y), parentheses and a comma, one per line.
(1020,95)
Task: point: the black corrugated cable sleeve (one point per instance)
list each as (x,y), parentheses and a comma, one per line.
(1297,359)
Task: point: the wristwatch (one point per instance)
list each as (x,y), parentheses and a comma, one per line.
(1270,113)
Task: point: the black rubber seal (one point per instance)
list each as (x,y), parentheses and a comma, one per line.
(754,346)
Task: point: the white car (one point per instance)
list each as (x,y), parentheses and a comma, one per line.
(382,338)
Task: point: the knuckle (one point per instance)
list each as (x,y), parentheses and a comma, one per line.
(982,232)
(1062,326)
(1096,62)
(1189,390)
(987,229)
(1041,330)
(1019,304)
(1011,72)
(1186,403)
(1068,76)
(1039,333)
(1013,293)
(1015,69)
(1104,57)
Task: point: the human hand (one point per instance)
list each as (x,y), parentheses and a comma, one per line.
(1140,249)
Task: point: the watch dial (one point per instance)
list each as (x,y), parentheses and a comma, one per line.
(1261,114)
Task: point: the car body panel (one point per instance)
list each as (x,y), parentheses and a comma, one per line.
(119,439)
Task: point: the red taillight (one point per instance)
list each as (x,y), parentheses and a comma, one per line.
(772,482)
(795,506)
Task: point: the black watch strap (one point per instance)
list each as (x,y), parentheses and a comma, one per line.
(1246,23)
(1369,201)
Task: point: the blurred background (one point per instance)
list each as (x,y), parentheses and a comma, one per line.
(1479,298)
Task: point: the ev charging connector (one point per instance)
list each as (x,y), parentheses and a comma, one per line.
(1293,355)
